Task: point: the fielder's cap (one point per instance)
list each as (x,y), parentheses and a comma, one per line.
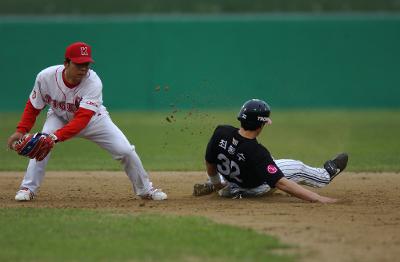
(79,53)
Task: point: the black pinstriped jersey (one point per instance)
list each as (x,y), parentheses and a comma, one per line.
(240,160)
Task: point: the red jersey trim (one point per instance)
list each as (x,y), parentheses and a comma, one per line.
(28,118)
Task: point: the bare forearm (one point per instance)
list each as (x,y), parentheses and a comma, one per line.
(214,175)
(211,169)
(301,192)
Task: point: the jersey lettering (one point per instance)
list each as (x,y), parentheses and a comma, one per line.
(91,103)
(228,168)
(71,108)
(241,157)
(231,150)
(222,143)
(61,104)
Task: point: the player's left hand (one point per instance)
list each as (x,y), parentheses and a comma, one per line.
(35,146)
(206,188)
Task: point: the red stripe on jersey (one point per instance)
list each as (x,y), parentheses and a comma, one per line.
(81,119)
(28,118)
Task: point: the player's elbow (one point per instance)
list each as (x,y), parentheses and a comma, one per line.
(283,184)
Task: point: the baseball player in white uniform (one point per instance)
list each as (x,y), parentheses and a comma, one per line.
(73,93)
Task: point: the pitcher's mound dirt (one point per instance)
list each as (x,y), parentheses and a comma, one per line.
(365,226)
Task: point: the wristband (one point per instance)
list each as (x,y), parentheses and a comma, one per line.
(53,137)
(215,179)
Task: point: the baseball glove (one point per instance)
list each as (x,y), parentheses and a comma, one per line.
(35,146)
(203,189)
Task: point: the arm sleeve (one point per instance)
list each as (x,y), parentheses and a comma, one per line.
(35,97)
(28,118)
(33,107)
(79,122)
(93,97)
(267,168)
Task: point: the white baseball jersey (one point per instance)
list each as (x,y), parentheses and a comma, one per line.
(51,90)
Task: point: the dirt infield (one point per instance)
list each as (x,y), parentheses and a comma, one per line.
(364,226)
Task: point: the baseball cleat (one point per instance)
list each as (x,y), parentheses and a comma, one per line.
(225,191)
(335,166)
(155,194)
(24,194)
(231,191)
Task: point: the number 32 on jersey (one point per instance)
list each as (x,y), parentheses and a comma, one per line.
(228,167)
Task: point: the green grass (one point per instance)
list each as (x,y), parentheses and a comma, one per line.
(370,137)
(29,234)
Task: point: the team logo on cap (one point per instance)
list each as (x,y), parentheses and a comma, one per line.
(84,50)
(272,169)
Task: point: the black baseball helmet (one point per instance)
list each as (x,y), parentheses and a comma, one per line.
(254,113)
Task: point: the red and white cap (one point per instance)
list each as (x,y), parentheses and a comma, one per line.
(79,53)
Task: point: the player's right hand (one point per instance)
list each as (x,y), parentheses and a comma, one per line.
(14,138)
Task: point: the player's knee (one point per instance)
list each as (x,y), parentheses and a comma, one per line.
(297,165)
(124,151)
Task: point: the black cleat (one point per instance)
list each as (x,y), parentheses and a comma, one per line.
(336,165)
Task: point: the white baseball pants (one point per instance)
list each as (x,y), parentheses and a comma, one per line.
(294,170)
(108,136)
(303,174)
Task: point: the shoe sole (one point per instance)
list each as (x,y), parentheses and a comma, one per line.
(340,161)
